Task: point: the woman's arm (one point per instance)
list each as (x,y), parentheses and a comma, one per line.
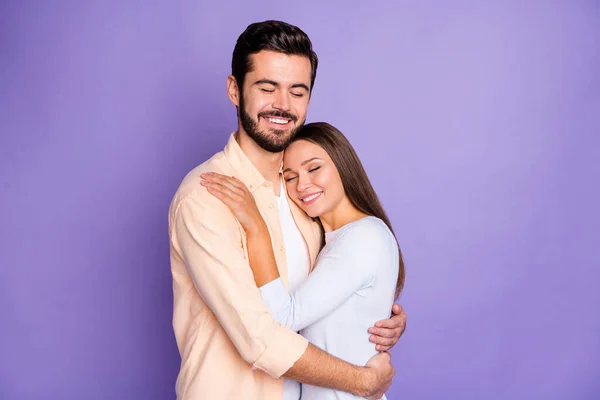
(346,270)
(238,198)
(261,256)
(339,275)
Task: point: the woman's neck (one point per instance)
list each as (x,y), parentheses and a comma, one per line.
(342,214)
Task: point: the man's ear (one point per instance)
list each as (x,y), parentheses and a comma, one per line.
(233,91)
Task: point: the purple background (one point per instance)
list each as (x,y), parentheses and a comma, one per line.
(477,122)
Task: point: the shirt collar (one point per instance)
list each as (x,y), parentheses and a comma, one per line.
(243,167)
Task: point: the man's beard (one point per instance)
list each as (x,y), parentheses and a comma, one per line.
(275,142)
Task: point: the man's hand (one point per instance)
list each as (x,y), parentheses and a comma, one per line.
(385,334)
(382,371)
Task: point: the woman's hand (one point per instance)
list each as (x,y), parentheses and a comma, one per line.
(238,198)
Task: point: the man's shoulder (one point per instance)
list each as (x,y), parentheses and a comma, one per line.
(190,188)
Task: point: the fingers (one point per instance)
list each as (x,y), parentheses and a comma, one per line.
(397,309)
(382,348)
(384,338)
(224,188)
(222,192)
(385,332)
(381,359)
(387,356)
(216,177)
(392,323)
(384,371)
(383,344)
(238,182)
(399,316)
(233,185)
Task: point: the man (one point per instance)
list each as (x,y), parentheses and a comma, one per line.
(231,348)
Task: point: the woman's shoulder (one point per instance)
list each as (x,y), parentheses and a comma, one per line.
(367,229)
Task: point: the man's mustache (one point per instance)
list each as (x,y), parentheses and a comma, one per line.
(281,114)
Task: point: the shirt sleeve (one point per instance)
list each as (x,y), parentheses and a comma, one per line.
(208,239)
(347,269)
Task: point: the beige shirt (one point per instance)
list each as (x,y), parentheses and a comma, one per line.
(230,346)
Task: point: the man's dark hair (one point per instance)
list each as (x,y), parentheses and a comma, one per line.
(276,36)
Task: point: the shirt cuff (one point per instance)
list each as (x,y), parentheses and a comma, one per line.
(282,352)
(285,346)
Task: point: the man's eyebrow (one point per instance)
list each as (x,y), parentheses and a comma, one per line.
(276,84)
(303,163)
(300,85)
(267,81)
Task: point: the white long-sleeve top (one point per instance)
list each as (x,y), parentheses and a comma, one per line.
(351,287)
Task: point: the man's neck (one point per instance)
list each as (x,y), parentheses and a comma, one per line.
(267,163)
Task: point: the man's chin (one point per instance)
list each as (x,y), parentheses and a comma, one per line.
(271,139)
(278,136)
(279,132)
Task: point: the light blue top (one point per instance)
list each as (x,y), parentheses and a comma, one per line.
(351,288)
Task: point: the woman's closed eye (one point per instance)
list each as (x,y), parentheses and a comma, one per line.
(289,178)
(314,169)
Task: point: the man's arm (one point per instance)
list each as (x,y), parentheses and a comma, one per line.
(207,237)
(319,368)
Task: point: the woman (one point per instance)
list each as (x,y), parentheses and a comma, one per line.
(358,273)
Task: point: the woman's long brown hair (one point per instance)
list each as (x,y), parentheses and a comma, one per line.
(356,183)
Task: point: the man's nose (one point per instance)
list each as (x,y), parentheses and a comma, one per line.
(282,101)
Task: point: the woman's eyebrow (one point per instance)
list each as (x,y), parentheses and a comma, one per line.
(303,163)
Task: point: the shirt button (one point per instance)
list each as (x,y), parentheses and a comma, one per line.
(281,248)
(271,205)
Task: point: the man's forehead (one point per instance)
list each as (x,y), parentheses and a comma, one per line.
(279,65)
